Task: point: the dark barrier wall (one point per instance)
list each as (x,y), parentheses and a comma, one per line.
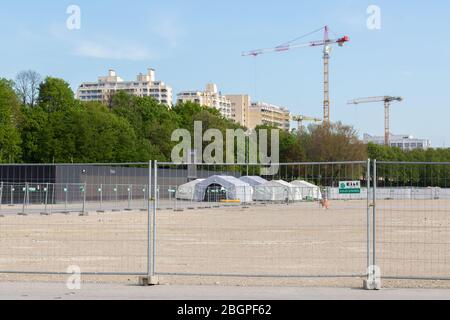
(57,180)
(27,173)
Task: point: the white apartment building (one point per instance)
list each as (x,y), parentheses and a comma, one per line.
(261,113)
(144,86)
(211,97)
(404,142)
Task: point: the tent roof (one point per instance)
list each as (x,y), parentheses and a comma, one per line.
(278,183)
(304,183)
(192,183)
(224,181)
(253,180)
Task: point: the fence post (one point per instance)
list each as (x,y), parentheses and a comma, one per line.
(83,209)
(25,196)
(144,192)
(150,279)
(154,219)
(129,198)
(1,194)
(374,222)
(100,190)
(374,275)
(53,197)
(101,197)
(116,191)
(149,221)
(12,195)
(46,201)
(368,173)
(66,192)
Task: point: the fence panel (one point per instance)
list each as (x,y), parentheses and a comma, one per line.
(413,220)
(211,224)
(89,216)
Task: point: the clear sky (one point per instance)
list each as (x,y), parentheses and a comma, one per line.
(192,42)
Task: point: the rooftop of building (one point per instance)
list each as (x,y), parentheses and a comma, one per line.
(112,77)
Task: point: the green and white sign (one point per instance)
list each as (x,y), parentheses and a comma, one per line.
(349,187)
(30,189)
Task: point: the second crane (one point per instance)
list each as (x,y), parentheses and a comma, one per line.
(387,104)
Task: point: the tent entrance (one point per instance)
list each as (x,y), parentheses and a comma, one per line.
(215,193)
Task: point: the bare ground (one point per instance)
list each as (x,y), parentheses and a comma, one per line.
(292,242)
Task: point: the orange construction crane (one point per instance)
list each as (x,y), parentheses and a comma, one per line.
(327,45)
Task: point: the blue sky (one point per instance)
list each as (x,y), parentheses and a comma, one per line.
(190,43)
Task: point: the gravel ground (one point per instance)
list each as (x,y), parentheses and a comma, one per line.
(274,240)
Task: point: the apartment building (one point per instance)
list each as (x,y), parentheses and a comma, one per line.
(145,85)
(211,97)
(404,142)
(240,105)
(261,113)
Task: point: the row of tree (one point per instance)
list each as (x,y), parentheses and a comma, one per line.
(42,122)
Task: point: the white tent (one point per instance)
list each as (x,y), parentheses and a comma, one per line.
(309,190)
(187,191)
(253,180)
(227,188)
(277,190)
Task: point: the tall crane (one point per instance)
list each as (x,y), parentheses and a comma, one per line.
(301,119)
(327,44)
(387,104)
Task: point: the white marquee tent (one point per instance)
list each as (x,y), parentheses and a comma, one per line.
(187,191)
(309,190)
(253,180)
(234,188)
(277,190)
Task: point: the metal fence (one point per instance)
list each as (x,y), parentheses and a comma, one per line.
(275,229)
(227,220)
(413,220)
(94,217)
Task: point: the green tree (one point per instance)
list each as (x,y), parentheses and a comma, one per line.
(37,136)
(55,95)
(152,122)
(10,150)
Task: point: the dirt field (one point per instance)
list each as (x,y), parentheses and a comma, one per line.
(267,241)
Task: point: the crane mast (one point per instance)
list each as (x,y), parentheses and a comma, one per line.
(387,110)
(326,78)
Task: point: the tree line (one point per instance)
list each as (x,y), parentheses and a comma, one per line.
(42,122)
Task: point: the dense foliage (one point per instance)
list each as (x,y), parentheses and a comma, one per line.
(55,127)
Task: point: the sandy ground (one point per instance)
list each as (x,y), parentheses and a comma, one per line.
(279,243)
